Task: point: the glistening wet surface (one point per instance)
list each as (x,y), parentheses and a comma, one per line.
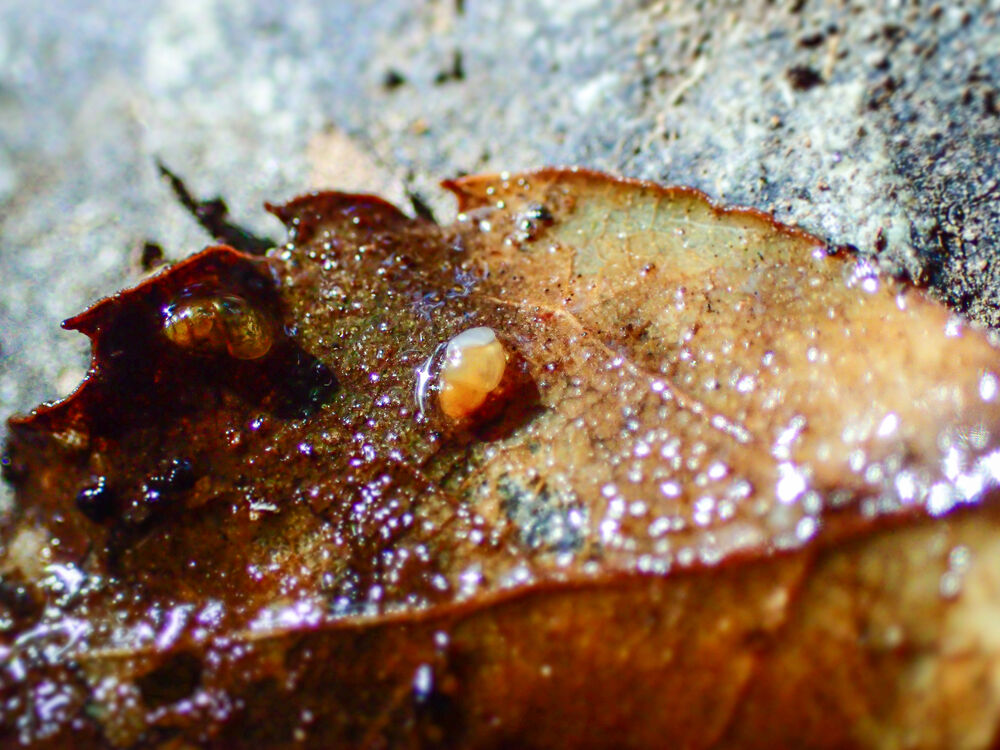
(271,496)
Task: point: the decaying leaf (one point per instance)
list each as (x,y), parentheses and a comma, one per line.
(733,489)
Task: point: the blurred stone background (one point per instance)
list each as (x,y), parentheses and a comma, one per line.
(875,124)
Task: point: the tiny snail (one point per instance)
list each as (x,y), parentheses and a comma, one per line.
(474,364)
(96,501)
(218,323)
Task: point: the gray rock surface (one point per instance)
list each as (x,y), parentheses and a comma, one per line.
(873,124)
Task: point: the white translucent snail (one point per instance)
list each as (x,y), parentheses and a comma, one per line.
(473,366)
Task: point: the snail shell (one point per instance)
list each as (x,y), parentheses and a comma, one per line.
(217,324)
(474,364)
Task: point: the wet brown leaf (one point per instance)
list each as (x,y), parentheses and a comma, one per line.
(731,490)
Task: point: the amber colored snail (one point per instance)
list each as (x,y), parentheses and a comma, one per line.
(219,323)
(474,364)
